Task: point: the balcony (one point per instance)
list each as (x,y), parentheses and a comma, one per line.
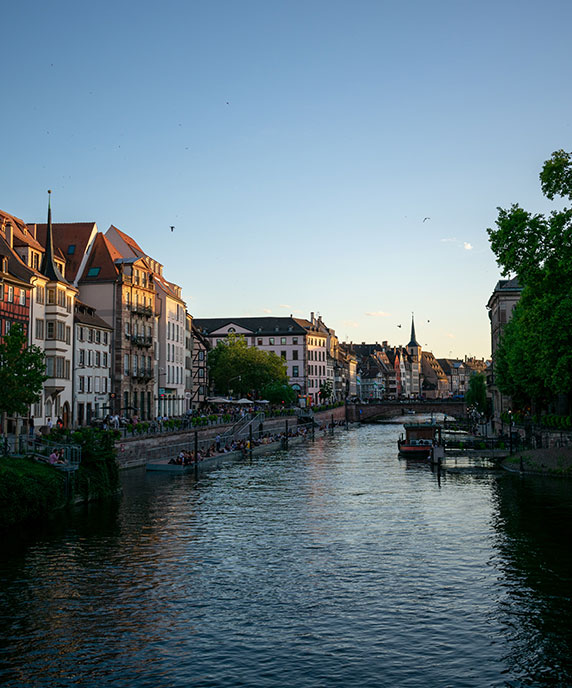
(142,340)
(143,374)
(145,311)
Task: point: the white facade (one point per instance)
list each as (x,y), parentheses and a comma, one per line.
(92,370)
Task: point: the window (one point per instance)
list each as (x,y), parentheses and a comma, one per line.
(271,341)
(60,331)
(71,249)
(22,297)
(61,298)
(50,366)
(260,341)
(68,334)
(127,299)
(93,272)
(89,383)
(68,304)
(295,355)
(201,355)
(90,358)
(126,364)
(90,335)
(82,357)
(201,372)
(50,329)
(282,340)
(39,294)
(105,337)
(36,263)
(96,384)
(39,329)
(104,360)
(283,355)
(10,298)
(59,367)
(98,336)
(51,294)
(97,359)
(295,370)
(81,383)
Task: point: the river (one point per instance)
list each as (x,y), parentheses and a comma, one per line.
(331,565)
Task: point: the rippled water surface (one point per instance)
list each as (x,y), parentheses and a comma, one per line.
(333,564)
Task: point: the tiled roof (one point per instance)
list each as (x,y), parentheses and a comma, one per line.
(66,234)
(86,315)
(265,325)
(128,240)
(102,256)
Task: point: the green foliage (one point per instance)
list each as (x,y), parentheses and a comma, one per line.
(533,362)
(22,372)
(233,365)
(326,391)
(279,392)
(28,490)
(477,393)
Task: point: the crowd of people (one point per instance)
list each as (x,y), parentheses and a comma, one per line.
(187,458)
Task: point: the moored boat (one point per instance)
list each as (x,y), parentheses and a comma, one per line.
(420,440)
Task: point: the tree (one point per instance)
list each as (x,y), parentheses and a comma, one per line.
(326,390)
(22,372)
(533,362)
(278,393)
(233,365)
(477,393)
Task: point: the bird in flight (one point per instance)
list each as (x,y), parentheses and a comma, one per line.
(426,218)
(172,227)
(399,326)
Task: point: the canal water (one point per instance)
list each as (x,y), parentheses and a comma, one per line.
(333,564)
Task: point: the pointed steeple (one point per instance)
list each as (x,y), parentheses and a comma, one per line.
(49,267)
(413,341)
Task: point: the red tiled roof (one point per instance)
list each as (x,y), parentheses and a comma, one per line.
(102,256)
(128,239)
(66,234)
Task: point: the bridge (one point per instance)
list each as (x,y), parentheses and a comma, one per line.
(384,410)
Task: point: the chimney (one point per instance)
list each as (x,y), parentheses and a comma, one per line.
(312,317)
(9,231)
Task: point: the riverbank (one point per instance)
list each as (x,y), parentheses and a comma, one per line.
(556,462)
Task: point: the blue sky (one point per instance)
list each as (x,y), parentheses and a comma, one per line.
(295,146)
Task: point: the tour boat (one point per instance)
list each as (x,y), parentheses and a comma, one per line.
(420,440)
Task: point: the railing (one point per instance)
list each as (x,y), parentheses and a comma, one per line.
(141,310)
(141,340)
(242,427)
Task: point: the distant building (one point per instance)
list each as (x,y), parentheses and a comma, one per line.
(500,305)
(92,365)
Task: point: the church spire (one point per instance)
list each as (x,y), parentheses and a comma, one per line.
(49,267)
(413,341)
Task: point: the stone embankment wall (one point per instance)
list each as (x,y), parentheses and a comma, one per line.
(136,451)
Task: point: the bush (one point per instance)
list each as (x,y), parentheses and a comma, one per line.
(28,490)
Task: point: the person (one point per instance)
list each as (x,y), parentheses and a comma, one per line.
(217,440)
(49,424)
(31,426)
(60,423)
(54,457)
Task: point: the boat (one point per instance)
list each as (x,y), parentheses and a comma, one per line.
(421,441)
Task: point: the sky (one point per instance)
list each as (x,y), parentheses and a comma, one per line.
(341,158)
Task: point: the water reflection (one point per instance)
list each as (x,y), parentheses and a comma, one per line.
(332,564)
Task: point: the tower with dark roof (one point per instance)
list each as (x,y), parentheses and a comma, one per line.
(414,351)
(49,267)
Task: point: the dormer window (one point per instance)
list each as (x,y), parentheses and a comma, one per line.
(93,272)
(4,263)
